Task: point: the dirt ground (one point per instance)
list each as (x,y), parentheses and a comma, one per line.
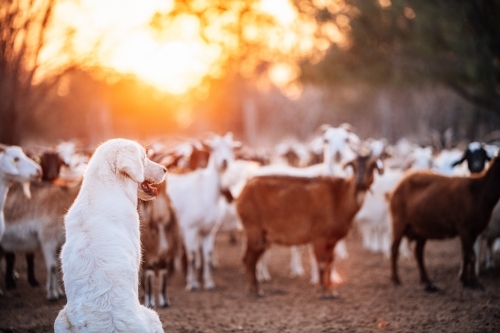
(368,301)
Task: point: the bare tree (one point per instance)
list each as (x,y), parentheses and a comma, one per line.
(23,34)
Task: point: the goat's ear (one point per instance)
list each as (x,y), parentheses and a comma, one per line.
(348,127)
(129,161)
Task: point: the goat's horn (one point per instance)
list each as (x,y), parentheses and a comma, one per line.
(323,128)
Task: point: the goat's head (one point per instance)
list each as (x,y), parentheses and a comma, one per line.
(51,163)
(222,150)
(339,141)
(363,166)
(421,158)
(476,157)
(16,166)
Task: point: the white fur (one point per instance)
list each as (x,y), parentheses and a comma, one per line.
(197,200)
(101,257)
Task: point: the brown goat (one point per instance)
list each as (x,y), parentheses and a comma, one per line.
(161,242)
(297,210)
(51,163)
(429,206)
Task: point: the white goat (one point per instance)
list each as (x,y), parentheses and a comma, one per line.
(373,218)
(15,166)
(38,223)
(443,163)
(196,197)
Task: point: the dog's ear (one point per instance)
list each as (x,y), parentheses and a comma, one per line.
(130,162)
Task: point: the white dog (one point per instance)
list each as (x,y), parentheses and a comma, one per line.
(101,257)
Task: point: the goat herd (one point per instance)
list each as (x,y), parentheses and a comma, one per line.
(308,196)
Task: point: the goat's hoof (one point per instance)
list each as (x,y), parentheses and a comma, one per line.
(10,285)
(396,281)
(474,285)
(329,295)
(165,305)
(34,283)
(209,286)
(430,288)
(193,288)
(260,294)
(52,299)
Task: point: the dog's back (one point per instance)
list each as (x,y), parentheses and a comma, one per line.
(101,257)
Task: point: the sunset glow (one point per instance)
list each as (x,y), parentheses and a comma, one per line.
(117,34)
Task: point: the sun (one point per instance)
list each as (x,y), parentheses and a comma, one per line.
(127,44)
(118,36)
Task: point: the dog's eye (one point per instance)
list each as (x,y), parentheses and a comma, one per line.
(16,159)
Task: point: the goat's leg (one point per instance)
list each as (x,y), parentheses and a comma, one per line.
(324,251)
(10,260)
(468,276)
(148,285)
(30,263)
(419,255)
(163,300)
(296,262)
(477,251)
(262,268)
(192,246)
(53,287)
(489,257)
(208,247)
(394,257)
(341,249)
(314,265)
(255,248)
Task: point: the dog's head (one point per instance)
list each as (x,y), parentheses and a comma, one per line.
(128,159)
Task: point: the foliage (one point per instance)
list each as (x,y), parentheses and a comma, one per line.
(413,42)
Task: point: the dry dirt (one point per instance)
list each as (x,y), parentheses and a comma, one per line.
(368,301)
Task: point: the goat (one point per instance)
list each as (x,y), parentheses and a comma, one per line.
(339,144)
(300,210)
(373,218)
(476,157)
(34,223)
(196,197)
(51,162)
(15,167)
(489,235)
(426,206)
(161,243)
